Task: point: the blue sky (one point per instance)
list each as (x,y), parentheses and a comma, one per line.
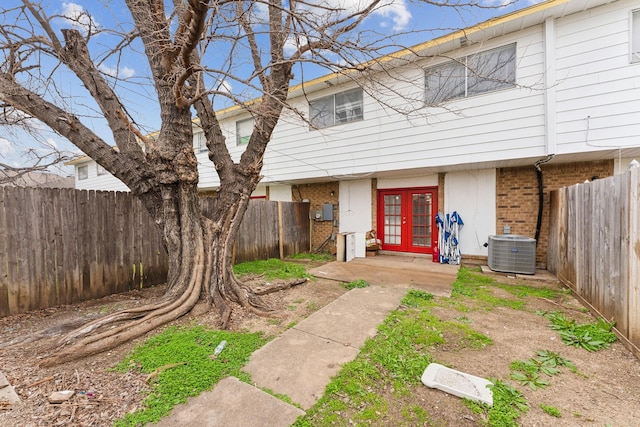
(412,21)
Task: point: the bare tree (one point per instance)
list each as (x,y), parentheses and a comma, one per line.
(192,53)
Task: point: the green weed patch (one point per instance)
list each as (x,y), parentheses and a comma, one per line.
(180,364)
(307,256)
(508,405)
(473,285)
(589,336)
(271,269)
(360,283)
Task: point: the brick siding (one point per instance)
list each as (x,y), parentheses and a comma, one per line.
(318,194)
(517,196)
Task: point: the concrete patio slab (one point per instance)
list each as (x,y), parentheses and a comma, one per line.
(312,352)
(353,317)
(393,271)
(299,365)
(232,403)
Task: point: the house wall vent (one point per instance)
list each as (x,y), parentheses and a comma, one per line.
(511,253)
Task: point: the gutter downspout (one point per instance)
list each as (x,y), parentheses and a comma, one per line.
(549,34)
(540,192)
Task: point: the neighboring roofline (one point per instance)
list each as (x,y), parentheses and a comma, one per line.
(82,159)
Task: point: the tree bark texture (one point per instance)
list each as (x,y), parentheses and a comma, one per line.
(162,171)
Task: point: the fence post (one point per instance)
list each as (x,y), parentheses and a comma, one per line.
(634,258)
(280,231)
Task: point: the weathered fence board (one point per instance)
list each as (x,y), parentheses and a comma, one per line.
(632,273)
(62,246)
(594,247)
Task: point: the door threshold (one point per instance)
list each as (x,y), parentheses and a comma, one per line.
(404,254)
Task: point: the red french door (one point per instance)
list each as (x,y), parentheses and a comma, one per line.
(406,219)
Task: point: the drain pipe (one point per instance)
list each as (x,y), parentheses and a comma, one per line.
(540,192)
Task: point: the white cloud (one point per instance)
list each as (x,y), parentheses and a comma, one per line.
(52,143)
(260,12)
(292,44)
(75,15)
(121,73)
(395,10)
(500,4)
(398,12)
(225,87)
(6,148)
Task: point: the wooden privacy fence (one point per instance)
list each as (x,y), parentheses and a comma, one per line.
(62,246)
(269,229)
(594,248)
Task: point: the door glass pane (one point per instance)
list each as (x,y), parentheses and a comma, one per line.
(421,206)
(392,220)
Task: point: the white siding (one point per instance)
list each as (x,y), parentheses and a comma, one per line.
(418,181)
(260,191)
(280,193)
(622,165)
(355,211)
(106,182)
(473,195)
(596,106)
(599,89)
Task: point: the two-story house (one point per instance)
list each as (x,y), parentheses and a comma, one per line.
(505,111)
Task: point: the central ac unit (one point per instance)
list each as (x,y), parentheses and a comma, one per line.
(511,253)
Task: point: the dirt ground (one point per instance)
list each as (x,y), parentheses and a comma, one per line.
(607,394)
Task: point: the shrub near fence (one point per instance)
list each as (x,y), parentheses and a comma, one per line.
(62,246)
(594,248)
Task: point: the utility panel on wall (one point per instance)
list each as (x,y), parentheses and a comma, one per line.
(327,212)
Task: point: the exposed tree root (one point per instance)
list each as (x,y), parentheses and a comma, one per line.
(269,289)
(164,313)
(100,335)
(128,314)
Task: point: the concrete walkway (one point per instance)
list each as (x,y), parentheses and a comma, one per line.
(301,362)
(394,271)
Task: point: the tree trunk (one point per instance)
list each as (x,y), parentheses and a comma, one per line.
(200,267)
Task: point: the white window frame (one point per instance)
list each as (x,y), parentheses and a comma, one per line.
(635,36)
(340,108)
(100,170)
(83,172)
(200,142)
(471,78)
(244,129)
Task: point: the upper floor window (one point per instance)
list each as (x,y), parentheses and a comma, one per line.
(83,172)
(100,170)
(486,71)
(199,142)
(342,107)
(244,128)
(635,36)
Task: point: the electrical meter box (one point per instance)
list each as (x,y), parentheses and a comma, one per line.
(327,212)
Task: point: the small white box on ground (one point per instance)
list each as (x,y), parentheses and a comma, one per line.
(457,383)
